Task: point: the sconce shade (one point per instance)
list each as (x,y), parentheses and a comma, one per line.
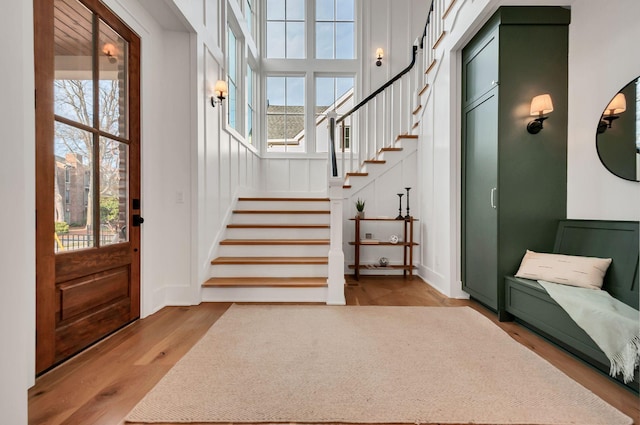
(379,55)
(617,105)
(541,105)
(221,90)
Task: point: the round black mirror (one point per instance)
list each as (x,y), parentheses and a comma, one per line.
(618,134)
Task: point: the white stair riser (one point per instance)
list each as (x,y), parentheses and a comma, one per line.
(269,270)
(277,233)
(262,294)
(280,218)
(273,251)
(282,205)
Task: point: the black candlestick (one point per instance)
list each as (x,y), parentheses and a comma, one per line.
(408,216)
(400,217)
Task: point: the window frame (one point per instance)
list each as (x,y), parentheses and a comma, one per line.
(310,67)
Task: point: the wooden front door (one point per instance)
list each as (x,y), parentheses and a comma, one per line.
(87,66)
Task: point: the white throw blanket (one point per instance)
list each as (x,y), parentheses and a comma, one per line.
(612,324)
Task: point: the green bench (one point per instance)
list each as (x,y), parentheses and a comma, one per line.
(530,304)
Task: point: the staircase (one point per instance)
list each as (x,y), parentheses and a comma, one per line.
(275,250)
(385,159)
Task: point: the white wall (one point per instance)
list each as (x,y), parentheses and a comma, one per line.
(600,63)
(17,174)
(168,143)
(603,58)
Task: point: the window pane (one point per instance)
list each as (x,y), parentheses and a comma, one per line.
(275,40)
(113,192)
(275,10)
(232,105)
(324,10)
(344,85)
(295,91)
(285,114)
(250,105)
(345,10)
(324,40)
(295,40)
(324,92)
(73,188)
(73,74)
(344,40)
(331,93)
(113,82)
(232,55)
(295,10)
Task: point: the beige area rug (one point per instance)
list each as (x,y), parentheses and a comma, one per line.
(310,364)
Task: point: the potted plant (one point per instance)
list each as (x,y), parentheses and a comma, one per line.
(360,208)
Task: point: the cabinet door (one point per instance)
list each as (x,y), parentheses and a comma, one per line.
(480,219)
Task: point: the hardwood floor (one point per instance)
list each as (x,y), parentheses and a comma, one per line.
(101,385)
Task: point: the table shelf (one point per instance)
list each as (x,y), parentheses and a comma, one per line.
(407,245)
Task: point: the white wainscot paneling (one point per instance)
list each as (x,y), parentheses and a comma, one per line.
(299,175)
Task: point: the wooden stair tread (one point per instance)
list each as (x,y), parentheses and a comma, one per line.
(418,108)
(281,211)
(407,136)
(275,242)
(375,161)
(357,174)
(272,282)
(430,67)
(270,260)
(423,89)
(285,199)
(346,186)
(277,226)
(390,149)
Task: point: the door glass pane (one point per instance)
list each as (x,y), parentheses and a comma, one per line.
(73,52)
(112,84)
(113,192)
(73,192)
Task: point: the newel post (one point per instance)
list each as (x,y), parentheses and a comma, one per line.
(335,281)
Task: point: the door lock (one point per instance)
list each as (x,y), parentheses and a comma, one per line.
(137,220)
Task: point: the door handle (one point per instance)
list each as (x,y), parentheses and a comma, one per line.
(137,220)
(493,198)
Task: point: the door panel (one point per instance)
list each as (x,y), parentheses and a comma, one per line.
(88,156)
(481,224)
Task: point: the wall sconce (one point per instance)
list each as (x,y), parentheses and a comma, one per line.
(379,55)
(612,112)
(540,105)
(220,91)
(110,51)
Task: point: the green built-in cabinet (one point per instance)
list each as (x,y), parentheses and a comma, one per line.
(514,184)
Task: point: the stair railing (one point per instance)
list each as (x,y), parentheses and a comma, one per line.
(379,118)
(366,128)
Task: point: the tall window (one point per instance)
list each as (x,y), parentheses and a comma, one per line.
(294,120)
(335,29)
(285,29)
(332,93)
(232,79)
(285,114)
